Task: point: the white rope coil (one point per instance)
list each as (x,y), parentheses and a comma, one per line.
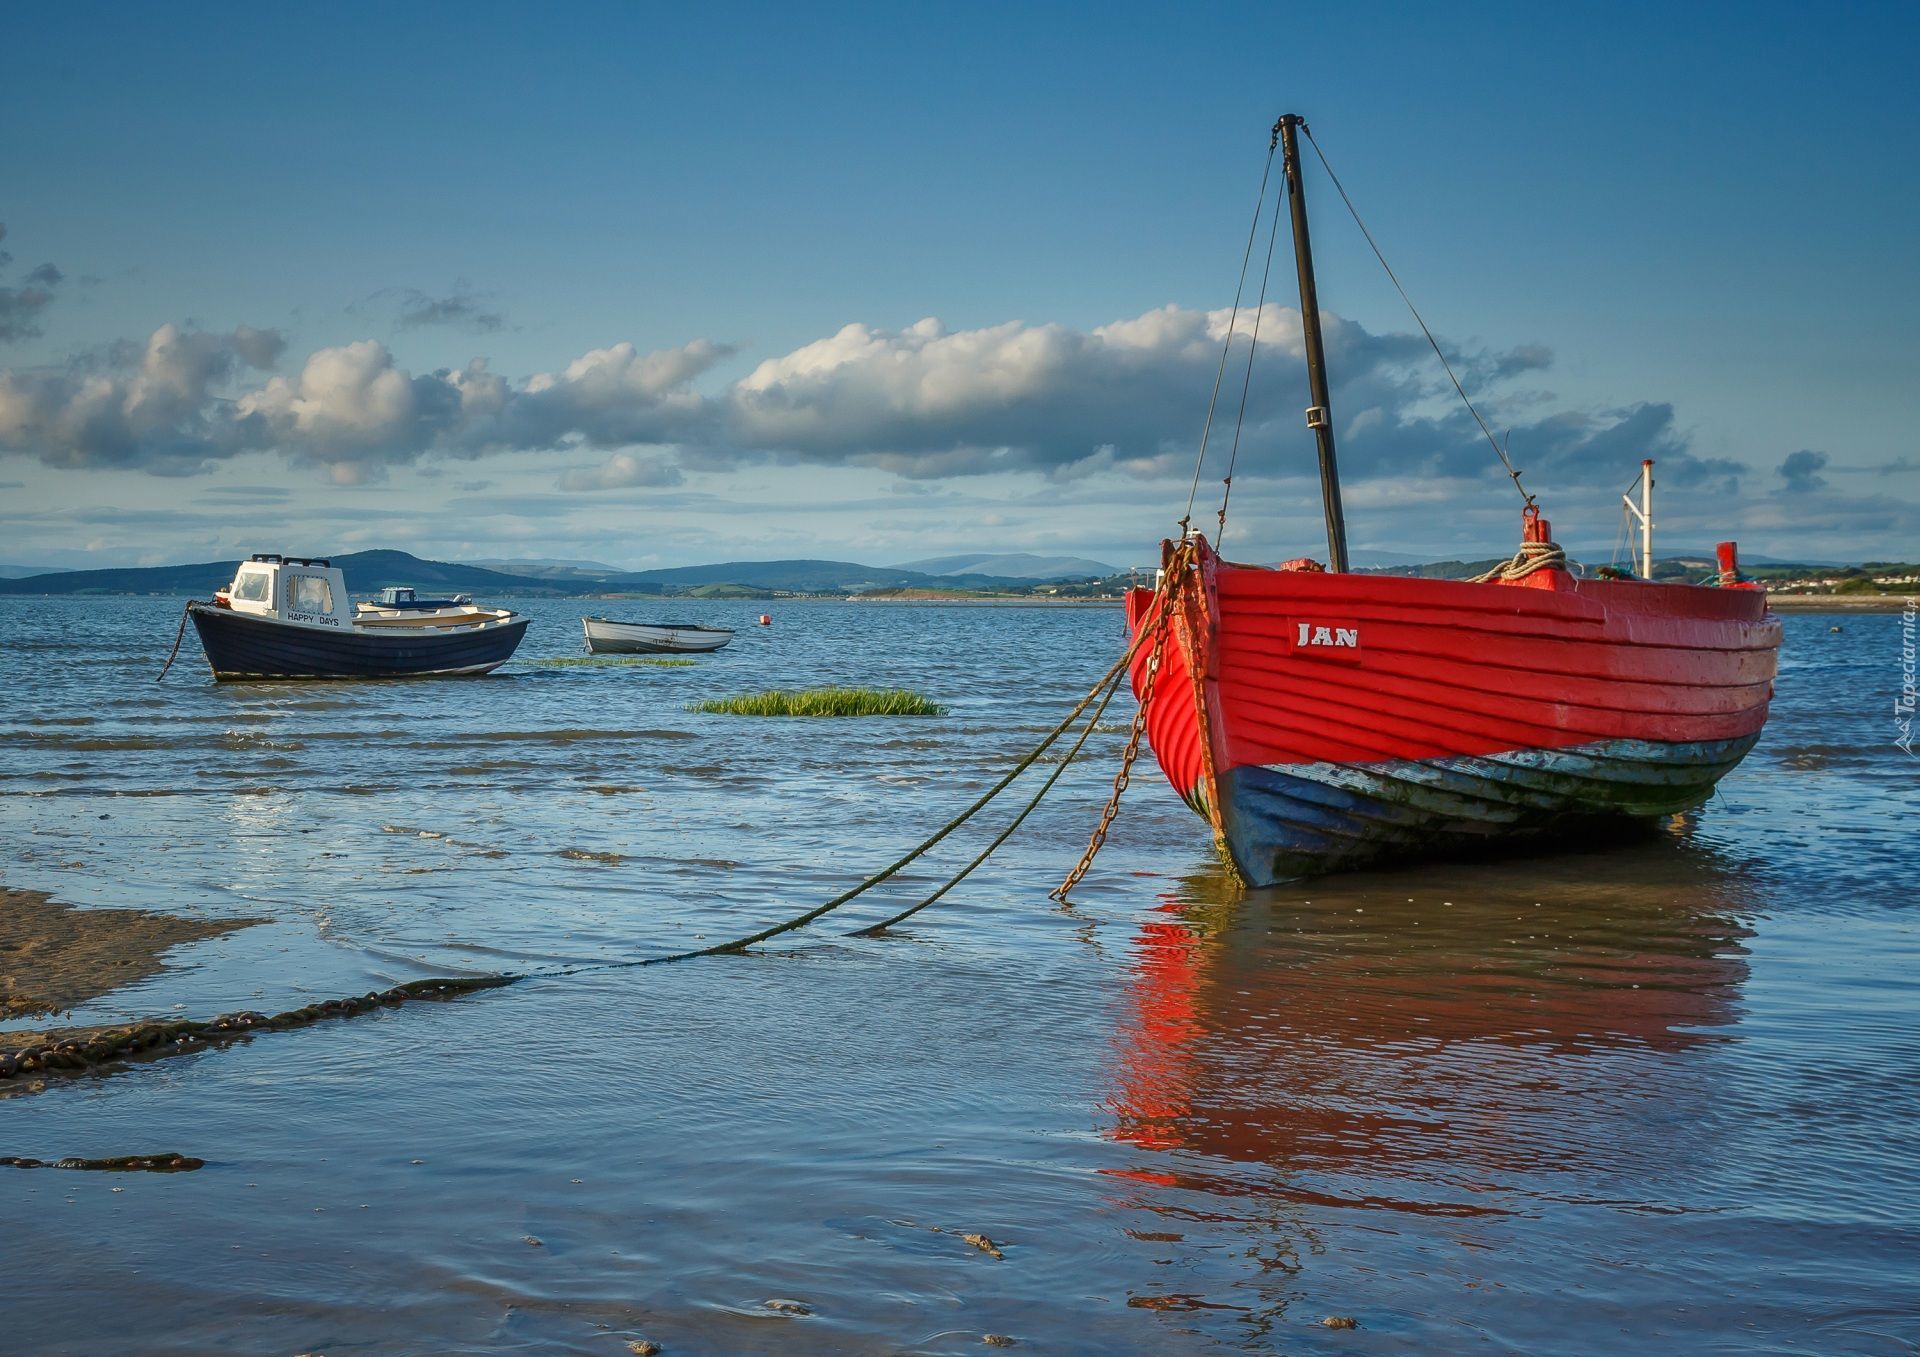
(1532,556)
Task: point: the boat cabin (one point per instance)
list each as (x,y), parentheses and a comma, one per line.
(291,588)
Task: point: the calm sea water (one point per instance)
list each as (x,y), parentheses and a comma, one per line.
(1656,1098)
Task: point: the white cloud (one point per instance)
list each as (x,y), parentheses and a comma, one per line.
(151,405)
(1114,411)
(1129,398)
(927,401)
(351,410)
(622,471)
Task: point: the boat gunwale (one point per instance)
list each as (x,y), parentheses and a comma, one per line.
(661,626)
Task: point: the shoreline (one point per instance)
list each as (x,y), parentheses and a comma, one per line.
(1838,603)
(54,957)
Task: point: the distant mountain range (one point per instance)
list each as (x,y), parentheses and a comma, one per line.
(370,571)
(542,568)
(1363,559)
(367,572)
(810,574)
(14,572)
(1014,565)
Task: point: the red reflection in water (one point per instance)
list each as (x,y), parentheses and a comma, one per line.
(1429,1055)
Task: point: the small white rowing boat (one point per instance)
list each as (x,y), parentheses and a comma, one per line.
(607,637)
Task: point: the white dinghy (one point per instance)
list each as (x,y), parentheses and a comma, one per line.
(608,637)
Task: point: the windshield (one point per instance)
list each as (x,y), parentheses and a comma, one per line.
(311,594)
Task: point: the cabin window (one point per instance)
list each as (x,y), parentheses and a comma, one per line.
(253,586)
(311,594)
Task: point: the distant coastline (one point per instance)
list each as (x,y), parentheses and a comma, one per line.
(1838,603)
(1872,587)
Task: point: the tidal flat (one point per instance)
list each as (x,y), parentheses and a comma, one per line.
(1662,1094)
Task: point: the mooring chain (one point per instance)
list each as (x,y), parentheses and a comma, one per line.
(80,1053)
(178,637)
(1093,723)
(1109,812)
(1163,603)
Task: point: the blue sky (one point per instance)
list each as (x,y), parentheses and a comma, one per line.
(280,240)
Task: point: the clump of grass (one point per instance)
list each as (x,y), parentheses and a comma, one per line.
(658,661)
(823,702)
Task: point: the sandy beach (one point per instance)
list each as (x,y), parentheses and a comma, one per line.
(55,956)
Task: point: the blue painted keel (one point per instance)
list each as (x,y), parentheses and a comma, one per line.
(1294,820)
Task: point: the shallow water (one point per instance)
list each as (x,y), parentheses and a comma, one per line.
(1663,1095)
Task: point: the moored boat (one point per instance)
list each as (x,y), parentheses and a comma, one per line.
(1322,720)
(403,606)
(608,637)
(289,617)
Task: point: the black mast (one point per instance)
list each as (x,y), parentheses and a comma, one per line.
(1320,413)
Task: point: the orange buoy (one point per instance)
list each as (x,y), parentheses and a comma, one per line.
(765,620)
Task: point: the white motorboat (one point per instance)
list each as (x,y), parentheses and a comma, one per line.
(288,617)
(608,637)
(402,606)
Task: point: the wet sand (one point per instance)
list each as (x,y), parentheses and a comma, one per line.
(55,956)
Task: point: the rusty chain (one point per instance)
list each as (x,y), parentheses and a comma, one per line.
(1170,584)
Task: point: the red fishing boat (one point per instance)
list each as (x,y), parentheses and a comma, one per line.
(1323,720)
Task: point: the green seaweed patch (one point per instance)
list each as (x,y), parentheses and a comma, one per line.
(657,661)
(823,702)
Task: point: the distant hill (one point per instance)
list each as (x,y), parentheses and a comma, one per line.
(541,569)
(1679,566)
(15,572)
(370,571)
(1411,563)
(367,572)
(804,577)
(1018,565)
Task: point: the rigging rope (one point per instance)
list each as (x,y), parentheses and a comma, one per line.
(1253,345)
(1253,230)
(1093,722)
(1498,451)
(802,920)
(1626,524)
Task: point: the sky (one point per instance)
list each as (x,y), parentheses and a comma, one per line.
(656,287)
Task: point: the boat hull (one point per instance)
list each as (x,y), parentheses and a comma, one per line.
(1283,822)
(605,637)
(241,646)
(1323,722)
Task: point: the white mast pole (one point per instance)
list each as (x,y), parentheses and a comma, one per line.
(1643,511)
(1646,519)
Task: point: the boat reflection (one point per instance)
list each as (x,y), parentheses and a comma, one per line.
(1461,1041)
